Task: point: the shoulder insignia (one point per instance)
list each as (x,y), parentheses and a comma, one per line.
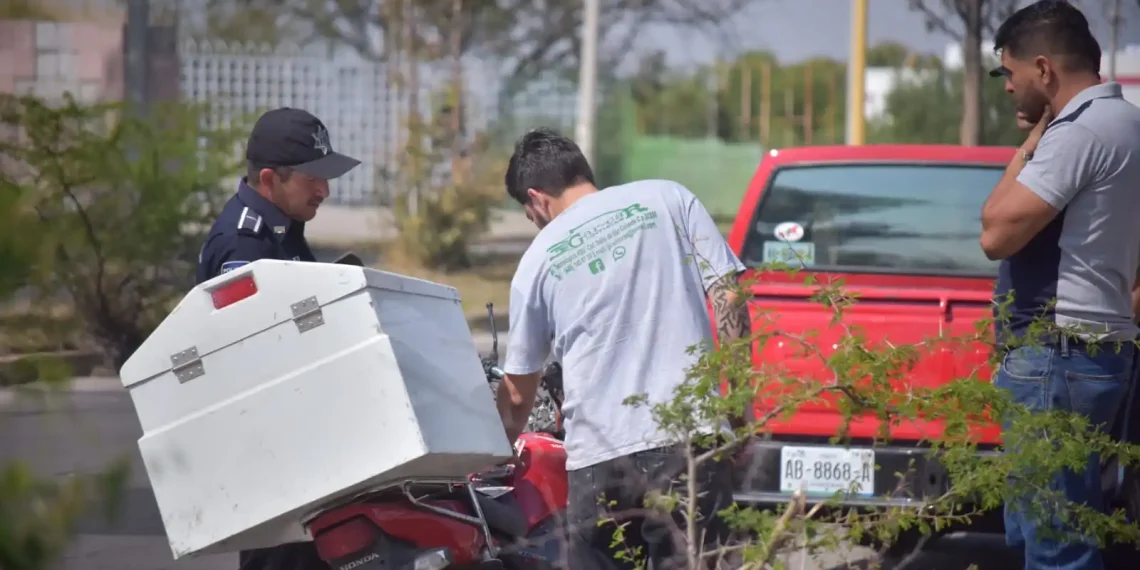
(249,221)
(232,265)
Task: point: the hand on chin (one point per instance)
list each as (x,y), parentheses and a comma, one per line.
(1024,123)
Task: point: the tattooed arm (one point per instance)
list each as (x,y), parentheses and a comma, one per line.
(730,311)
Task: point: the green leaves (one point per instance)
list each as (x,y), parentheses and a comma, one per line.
(439,218)
(106,208)
(100,221)
(38,516)
(861,379)
(928,109)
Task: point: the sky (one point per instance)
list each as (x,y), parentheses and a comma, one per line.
(800,29)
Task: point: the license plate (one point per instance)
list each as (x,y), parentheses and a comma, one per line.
(827,470)
(793,254)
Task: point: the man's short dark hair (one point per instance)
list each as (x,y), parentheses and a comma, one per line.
(1050,27)
(548,162)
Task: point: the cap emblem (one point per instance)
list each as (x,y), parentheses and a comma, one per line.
(321,140)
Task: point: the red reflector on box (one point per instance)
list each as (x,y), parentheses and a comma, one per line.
(234,291)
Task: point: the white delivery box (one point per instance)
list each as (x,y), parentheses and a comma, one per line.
(277,387)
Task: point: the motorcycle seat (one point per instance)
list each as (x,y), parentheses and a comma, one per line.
(503,515)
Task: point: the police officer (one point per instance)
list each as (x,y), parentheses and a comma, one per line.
(290,164)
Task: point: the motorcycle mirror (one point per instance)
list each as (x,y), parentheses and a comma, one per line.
(494,332)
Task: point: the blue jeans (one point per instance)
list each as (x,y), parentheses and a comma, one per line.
(1065,377)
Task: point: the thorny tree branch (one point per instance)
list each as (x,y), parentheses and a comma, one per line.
(795,509)
(950,16)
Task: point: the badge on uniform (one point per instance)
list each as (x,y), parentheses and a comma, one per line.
(232,265)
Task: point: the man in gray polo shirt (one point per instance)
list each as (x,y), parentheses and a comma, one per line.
(1063,222)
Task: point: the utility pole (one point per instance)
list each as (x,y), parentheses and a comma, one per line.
(1114,37)
(135,54)
(809,104)
(856,72)
(765,103)
(745,100)
(588,81)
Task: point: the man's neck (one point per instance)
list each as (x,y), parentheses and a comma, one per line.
(1072,87)
(571,195)
(285,219)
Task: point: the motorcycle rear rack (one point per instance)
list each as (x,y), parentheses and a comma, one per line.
(479,518)
(406,488)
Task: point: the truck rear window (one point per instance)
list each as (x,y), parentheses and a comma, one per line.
(874,218)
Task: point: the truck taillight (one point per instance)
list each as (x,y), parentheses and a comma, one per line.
(234,291)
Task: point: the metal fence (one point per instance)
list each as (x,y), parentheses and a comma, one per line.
(716,171)
(353,97)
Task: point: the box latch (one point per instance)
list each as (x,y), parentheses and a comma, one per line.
(187,365)
(307,314)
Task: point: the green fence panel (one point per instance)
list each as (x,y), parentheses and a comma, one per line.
(717,172)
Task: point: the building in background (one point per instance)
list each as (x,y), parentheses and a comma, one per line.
(365,114)
(47,59)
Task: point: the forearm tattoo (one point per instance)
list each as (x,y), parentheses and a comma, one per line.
(730,310)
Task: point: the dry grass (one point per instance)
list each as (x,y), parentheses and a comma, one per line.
(489,280)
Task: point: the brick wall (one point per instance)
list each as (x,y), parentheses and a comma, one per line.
(84,58)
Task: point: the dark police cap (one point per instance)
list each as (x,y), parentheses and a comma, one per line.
(296,139)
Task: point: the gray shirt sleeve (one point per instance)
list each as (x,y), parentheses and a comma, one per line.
(1066,160)
(529,336)
(714,258)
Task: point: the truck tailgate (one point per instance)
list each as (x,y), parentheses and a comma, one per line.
(896,315)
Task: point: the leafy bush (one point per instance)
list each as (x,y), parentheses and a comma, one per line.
(110,208)
(862,380)
(446,187)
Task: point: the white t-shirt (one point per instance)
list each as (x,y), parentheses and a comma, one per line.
(615,288)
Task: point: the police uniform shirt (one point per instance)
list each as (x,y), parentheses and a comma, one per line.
(250,228)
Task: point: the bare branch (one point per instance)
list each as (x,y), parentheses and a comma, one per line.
(531,37)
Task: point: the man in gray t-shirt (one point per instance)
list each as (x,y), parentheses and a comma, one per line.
(619,279)
(1063,222)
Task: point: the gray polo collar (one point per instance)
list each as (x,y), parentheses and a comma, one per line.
(1108,90)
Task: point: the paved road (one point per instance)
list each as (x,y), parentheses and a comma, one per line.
(94,423)
(345,225)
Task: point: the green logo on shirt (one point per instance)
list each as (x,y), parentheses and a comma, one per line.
(598,237)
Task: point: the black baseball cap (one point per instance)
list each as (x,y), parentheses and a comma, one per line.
(296,139)
(999,71)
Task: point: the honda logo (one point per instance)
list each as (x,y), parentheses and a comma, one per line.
(360,561)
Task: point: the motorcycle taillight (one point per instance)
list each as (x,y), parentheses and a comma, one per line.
(345,539)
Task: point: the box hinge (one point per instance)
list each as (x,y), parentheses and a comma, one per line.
(186,365)
(307,314)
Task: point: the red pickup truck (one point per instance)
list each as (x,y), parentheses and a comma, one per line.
(899,224)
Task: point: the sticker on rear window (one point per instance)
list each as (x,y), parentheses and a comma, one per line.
(789,232)
(801,254)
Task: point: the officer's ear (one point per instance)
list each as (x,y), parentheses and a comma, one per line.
(265,178)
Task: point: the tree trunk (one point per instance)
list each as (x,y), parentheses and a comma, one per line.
(971,132)
(456,123)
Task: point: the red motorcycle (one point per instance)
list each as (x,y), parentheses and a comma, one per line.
(508,517)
